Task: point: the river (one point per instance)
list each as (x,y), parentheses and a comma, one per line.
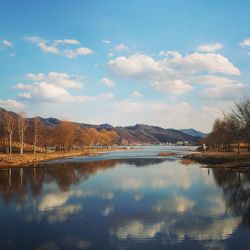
(130,199)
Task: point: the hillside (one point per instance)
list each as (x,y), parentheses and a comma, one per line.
(193,132)
(137,134)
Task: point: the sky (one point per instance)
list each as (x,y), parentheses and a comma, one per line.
(175,64)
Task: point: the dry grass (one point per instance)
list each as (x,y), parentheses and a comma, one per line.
(221,159)
(28,159)
(167,154)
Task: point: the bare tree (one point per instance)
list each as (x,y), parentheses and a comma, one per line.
(234,130)
(241,111)
(9,123)
(36,131)
(22,126)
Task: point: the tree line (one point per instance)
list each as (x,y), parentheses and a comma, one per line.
(17,131)
(233,130)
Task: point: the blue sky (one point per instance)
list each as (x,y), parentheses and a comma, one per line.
(168,63)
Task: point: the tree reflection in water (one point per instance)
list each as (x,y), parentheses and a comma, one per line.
(16,183)
(236,192)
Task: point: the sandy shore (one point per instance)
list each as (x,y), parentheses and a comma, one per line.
(222,159)
(28,159)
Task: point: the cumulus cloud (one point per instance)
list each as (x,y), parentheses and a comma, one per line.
(245,43)
(73,53)
(227,91)
(107,82)
(137,66)
(54,88)
(210,47)
(199,62)
(175,73)
(121,47)
(62,47)
(49,49)
(11,104)
(56,78)
(174,86)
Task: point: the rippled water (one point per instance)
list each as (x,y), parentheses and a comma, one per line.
(124,200)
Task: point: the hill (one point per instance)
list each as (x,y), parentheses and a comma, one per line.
(137,134)
(193,132)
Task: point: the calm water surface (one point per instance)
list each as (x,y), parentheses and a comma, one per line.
(124,200)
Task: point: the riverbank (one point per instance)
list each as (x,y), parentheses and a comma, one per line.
(29,159)
(221,159)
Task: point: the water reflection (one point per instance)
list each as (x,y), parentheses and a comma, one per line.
(236,192)
(16,182)
(120,204)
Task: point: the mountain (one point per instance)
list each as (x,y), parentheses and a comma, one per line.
(137,134)
(141,133)
(193,132)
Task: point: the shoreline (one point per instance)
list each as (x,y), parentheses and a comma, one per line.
(224,160)
(30,159)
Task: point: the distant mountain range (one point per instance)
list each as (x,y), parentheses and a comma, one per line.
(193,132)
(139,133)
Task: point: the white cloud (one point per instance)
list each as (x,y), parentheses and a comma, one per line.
(137,66)
(62,47)
(47,92)
(211,80)
(210,47)
(73,53)
(67,41)
(59,79)
(200,62)
(11,104)
(107,82)
(137,94)
(121,47)
(106,41)
(245,43)
(22,86)
(24,95)
(34,39)
(48,49)
(224,91)
(174,73)
(7,43)
(172,87)
(170,53)
(53,87)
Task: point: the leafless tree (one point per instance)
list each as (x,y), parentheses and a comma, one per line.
(241,111)
(22,126)
(9,123)
(36,132)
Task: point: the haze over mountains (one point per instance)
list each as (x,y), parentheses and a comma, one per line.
(136,134)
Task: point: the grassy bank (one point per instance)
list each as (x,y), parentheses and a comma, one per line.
(221,159)
(29,159)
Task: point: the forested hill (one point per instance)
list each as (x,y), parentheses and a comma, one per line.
(137,134)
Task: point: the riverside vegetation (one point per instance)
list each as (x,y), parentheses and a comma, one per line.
(228,145)
(25,141)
